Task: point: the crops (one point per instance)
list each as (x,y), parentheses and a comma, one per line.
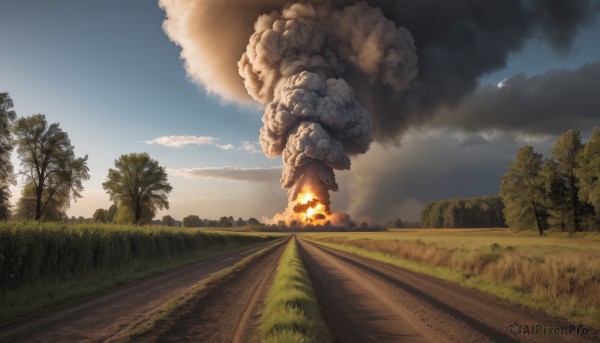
(41,255)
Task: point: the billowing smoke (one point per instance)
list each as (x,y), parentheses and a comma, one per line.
(336,74)
(296,62)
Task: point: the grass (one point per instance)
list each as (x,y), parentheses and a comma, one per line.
(45,264)
(195,291)
(558,273)
(291,311)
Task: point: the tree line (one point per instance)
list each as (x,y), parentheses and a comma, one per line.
(561,192)
(111,215)
(54,176)
(485,211)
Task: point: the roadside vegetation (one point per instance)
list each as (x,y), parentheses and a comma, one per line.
(43,264)
(559,274)
(291,311)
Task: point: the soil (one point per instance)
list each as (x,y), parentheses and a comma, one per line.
(228,312)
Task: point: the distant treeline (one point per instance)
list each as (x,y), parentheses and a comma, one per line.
(485,211)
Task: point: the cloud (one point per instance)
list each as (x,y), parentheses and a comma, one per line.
(457,42)
(542,104)
(395,181)
(256,175)
(251,147)
(225,146)
(181,141)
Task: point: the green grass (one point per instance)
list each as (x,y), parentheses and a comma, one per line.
(195,291)
(291,311)
(45,264)
(558,273)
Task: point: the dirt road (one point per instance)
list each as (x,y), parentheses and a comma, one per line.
(368,301)
(109,315)
(229,311)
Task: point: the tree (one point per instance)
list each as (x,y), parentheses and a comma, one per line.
(110,213)
(565,152)
(7,116)
(398,223)
(225,221)
(48,162)
(522,191)
(138,186)
(167,221)
(588,171)
(5,211)
(100,215)
(192,221)
(56,208)
(253,221)
(241,222)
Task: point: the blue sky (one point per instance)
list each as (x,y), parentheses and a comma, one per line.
(109,75)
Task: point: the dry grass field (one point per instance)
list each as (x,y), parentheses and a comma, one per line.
(558,273)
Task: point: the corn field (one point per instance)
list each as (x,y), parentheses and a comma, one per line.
(34,252)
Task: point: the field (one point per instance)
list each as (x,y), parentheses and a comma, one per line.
(476,285)
(558,273)
(46,264)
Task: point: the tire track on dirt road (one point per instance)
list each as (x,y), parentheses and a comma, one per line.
(228,311)
(111,314)
(363,300)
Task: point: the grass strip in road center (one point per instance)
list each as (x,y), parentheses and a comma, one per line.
(197,290)
(291,311)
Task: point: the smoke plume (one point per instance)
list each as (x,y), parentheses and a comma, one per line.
(295,63)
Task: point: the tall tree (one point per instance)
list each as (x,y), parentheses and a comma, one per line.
(7,116)
(138,184)
(588,171)
(48,162)
(522,191)
(565,152)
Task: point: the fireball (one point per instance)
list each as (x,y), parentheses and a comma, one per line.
(310,209)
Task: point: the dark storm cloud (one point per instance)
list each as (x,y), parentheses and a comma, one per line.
(457,42)
(392,182)
(542,104)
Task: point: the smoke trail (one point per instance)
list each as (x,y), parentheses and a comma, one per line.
(296,60)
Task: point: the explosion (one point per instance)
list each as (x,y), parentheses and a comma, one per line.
(310,210)
(295,63)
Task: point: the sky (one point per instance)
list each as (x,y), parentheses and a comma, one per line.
(115,81)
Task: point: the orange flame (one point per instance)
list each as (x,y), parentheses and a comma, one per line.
(310,209)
